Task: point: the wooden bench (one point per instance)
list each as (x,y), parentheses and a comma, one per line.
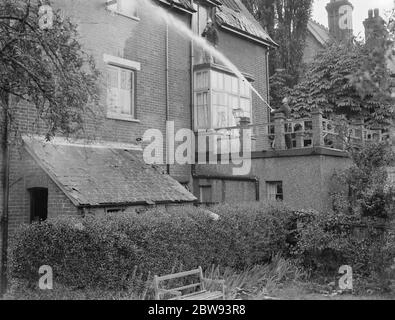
(177,293)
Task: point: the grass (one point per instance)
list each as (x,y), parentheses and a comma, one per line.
(281,279)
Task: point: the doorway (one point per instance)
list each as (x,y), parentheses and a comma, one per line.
(38,204)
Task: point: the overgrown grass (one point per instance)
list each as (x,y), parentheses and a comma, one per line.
(258,281)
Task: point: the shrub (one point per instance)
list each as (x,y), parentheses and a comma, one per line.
(330,240)
(104,251)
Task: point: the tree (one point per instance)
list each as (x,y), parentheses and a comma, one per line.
(343,80)
(42,64)
(286,22)
(351,78)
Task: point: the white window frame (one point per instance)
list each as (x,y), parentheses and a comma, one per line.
(211,90)
(114,6)
(270,185)
(129,65)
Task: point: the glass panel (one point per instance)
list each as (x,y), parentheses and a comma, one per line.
(220,116)
(202,110)
(235,85)
(112,90)
(234,102)
(214,80)
(220,78)
(228,83)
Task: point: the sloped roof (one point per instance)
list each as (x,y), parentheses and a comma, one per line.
(318,31)
(185,4)
(234,15)
(104,175)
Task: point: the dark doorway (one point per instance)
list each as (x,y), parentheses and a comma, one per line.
(38,204)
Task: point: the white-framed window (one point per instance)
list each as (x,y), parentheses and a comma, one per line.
(127,8)
(219,97)
(274,190)
(121,88)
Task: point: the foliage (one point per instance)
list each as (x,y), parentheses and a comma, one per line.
(286,22)
(349,78)
(359,232)
(330,85)
(257,281)
(102,251)
(45,67)
(364,188)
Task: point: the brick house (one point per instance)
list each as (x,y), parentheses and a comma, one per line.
(340,22)
(153,74)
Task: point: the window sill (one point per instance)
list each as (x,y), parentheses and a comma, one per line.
(135,18)
(122,117)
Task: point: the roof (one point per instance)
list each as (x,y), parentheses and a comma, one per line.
(318,31)
(104,175)
(235,16)
(183,4)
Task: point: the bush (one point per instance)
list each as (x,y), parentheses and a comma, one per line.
(104,251)
(328,241)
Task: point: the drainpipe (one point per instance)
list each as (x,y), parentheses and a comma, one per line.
(167,94)
(192,88)
(267,81)
(4,217)
(255,180)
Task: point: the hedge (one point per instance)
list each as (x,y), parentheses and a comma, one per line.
(103,251)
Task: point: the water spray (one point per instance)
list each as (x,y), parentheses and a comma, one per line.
(182,28)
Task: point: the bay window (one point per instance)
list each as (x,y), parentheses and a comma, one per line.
(219,96)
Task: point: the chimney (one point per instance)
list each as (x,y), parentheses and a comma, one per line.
(340,14)
(374,27)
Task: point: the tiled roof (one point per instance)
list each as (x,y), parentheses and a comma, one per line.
(186,4)
(318,31)
(235,15)
(94,175)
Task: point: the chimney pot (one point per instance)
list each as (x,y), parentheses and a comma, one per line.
(376,13)
(370,13)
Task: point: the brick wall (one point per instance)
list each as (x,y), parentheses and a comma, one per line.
(249,57)
(143,41)
(25,174)
(311,49)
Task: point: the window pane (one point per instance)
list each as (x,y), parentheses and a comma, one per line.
(220,116)
(112,90)
(119,90)
(235,85)
(214,79)
(245,105)
(228,83)
(220,78)
(202,110)
(234,102)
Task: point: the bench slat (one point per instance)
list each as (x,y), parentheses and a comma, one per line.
(178,275)
(189,286)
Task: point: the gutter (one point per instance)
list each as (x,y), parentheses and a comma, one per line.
(254,179)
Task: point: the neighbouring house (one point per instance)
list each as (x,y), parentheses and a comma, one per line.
(153,74)
(340,22)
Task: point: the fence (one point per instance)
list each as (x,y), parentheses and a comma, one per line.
(285,134)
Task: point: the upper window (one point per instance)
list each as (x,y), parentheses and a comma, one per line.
(125,7)
(219,99)
(120,91)
(121,88)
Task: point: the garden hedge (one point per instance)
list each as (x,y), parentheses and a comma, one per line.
(104,250)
